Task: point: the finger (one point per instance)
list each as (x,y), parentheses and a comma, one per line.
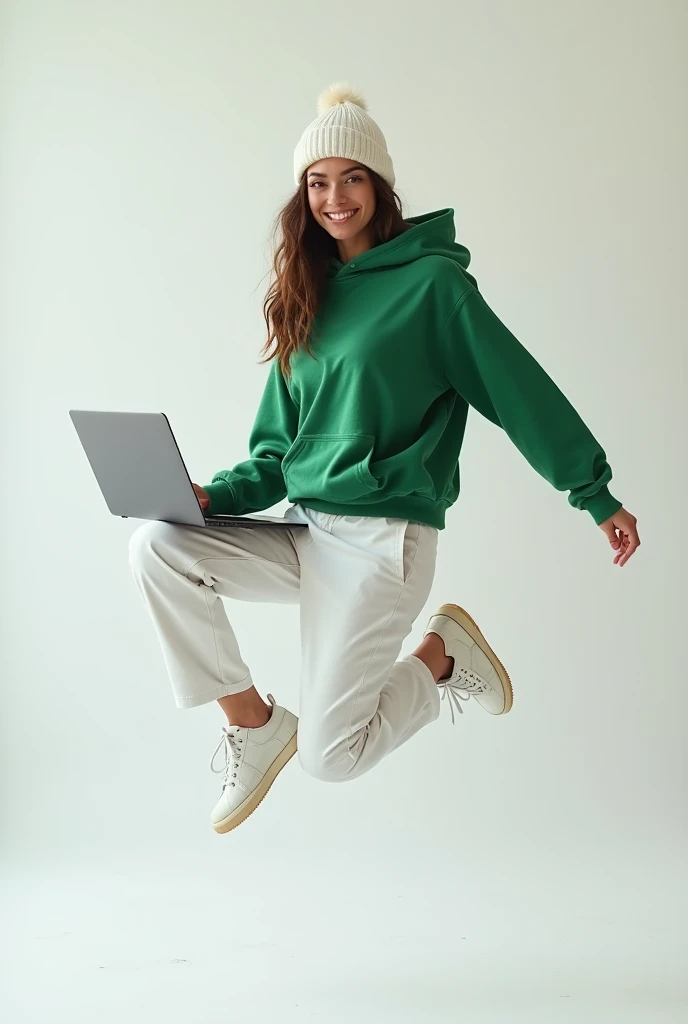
(610,532)
(631,547)
(628,550)
(623,546)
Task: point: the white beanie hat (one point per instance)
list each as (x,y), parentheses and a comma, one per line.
(343,128)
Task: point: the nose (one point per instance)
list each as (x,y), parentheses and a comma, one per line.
(333,197)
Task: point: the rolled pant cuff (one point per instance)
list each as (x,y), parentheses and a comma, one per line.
(433,688)
(227,690)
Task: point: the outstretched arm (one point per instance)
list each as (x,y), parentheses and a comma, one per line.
(495,374)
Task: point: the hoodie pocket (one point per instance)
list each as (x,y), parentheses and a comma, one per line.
(332,467)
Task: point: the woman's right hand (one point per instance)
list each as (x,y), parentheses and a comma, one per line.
(203,496)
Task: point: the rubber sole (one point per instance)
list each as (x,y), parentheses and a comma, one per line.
(460,615)
(259,793)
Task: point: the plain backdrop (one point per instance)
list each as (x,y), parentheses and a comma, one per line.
(515,869)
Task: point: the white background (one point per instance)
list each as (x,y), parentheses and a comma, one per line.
(517,869)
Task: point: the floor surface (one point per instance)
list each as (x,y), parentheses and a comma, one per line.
(371,942)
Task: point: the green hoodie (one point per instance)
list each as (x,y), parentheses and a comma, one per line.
(373,425)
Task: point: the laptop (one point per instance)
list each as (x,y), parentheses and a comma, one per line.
(140,470)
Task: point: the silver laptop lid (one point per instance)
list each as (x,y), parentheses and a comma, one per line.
(138,465)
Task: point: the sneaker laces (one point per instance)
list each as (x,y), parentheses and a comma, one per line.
(461,685)
(232,745)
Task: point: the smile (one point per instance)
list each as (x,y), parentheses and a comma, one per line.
(341,216)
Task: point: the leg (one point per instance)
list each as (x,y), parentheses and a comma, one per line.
(364,581)
(431,652)
(182,572)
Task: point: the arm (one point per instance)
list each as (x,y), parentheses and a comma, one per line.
(257,483)
(493,372)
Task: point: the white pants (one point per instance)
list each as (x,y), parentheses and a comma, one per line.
(360,582)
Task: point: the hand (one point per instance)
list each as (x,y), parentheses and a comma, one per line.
(202,496)
(623,535)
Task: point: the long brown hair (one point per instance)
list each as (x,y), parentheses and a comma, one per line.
(300,266)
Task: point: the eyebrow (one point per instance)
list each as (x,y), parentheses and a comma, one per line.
(317,174)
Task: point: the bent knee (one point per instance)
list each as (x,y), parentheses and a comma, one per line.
(148,537)
(327,767)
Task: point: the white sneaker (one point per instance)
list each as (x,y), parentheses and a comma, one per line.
(477,672)
(253,760)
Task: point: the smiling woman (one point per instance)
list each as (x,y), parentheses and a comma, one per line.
(342,199)
(344,205)
(382,343)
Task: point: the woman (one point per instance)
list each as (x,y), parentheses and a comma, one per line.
(382,340)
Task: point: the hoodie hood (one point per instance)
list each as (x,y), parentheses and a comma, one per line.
(432,234)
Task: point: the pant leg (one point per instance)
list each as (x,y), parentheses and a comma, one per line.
(364,581)
(182,571)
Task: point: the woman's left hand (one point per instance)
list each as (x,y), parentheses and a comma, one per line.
(623,535)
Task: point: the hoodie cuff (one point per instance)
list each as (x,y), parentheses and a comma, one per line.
(602,505)
(221,498)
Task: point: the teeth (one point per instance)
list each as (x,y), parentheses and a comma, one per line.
(340,216)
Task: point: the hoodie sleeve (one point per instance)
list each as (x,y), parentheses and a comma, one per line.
(257,483)
(494,373)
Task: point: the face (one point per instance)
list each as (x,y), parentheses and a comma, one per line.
(340,186)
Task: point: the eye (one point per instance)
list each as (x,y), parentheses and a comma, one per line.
(353,177)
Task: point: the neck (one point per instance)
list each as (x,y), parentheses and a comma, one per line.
(349,248)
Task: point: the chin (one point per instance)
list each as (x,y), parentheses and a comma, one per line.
(340,234)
